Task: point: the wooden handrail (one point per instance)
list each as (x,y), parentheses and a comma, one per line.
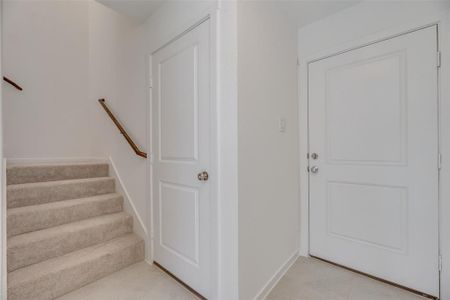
(12,83)
(122,130)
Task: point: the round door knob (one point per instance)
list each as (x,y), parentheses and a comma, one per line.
(203,176)
(314,169)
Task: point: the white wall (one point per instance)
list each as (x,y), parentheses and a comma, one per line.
(358,24)
(227,92)
(66,55)
(268,159)
(45,49)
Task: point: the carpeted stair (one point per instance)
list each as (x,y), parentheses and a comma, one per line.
(66,228)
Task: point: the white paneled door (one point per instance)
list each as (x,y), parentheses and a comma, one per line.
(373,115)
(181,139)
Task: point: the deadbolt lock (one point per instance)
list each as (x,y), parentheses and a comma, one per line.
(314,169)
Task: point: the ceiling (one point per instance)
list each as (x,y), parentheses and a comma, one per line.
(300,12)
(138,10)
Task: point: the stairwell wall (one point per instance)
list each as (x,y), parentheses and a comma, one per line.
(45,49)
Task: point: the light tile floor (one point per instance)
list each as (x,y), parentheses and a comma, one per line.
(307,279)
(312,279)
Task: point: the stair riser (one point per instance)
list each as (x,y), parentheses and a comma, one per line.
(23,220)
(29,252)
(57,284)
(28,174)
(18,196)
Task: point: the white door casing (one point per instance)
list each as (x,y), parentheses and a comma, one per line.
(181,138)
(373,121)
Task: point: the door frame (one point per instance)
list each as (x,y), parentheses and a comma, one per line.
(442,22)
(210,16)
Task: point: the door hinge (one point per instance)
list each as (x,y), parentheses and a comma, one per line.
(440,262)
(439,59)
(150,82)
(439,161)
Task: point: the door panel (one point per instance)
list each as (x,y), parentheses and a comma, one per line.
(356,85)
(181,150)
(179,221)
(370,202)
(373,123)
(179,119)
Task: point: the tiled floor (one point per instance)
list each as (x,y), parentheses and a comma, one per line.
(137,282)
(311,279)
(308,279)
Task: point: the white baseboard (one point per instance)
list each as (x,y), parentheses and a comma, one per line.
(139,227)
(265,291)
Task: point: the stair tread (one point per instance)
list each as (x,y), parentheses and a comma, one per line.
(56,182)
(60,204)
(26,194)
(45,172)
(56,264)
(31,218)
(48,233)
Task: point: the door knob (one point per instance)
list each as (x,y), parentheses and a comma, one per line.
(203,176)
(314,169)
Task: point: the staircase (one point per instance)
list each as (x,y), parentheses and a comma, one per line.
(66,228)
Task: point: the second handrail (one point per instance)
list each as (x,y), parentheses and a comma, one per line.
(12,83)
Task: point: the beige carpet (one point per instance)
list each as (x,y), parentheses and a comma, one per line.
(66,228)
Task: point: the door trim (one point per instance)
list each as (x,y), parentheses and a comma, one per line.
(442,22)
(212,16)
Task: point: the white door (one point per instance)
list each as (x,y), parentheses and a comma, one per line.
(181,152)
(373,118)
